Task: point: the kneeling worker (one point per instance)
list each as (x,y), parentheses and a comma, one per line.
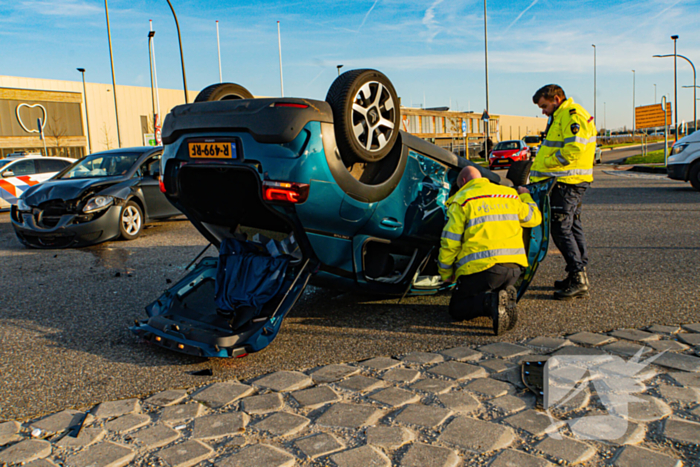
(482,247)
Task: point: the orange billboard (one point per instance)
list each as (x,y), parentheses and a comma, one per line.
(650,116)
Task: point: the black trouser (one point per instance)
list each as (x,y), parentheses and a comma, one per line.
(468,296)
(567,230)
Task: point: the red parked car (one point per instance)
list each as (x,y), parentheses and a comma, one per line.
(506,152)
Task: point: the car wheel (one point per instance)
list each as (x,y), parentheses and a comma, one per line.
(131,221)
(366,114)
(519,173)
(694,176)
(223,92)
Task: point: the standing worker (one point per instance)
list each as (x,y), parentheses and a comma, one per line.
(567,153)
(482,247)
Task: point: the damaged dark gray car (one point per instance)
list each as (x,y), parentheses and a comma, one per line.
(104,196)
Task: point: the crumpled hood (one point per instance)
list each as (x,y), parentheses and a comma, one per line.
(65,189)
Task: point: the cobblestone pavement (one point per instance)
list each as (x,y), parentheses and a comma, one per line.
(459,407)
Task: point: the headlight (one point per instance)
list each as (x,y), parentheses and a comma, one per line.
(22,206)
(98,203)
(678,148)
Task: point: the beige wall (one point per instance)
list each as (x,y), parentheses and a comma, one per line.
(514,127)
(133,102)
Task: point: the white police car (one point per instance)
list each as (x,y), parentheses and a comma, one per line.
(18,173)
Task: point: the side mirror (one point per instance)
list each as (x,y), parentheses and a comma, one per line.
(8,173)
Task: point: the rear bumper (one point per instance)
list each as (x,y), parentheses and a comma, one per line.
(678,171)
(500,162)
(65,234)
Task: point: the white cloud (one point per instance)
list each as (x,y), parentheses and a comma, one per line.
(430,22)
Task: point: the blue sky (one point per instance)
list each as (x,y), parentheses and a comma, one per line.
(433,51)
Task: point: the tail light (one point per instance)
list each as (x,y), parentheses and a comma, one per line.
(290,104)
(161,185)
(285,192)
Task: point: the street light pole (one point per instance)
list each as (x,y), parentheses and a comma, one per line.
(675,88)
(153,94)
(486,67)
(634,105)
(218,48)
(87,119)
(279,46)
(594,87)
(654,94)
(695,117)
(182,56)
(339,67)
(114,85)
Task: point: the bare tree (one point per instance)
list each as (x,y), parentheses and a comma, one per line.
(56,130)
(107,140)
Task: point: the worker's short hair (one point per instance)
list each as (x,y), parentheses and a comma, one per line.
(548,92)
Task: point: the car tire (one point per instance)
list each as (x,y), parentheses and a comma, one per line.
(366,115)
(130,221)
(223,92)
(694,176)
(519,173)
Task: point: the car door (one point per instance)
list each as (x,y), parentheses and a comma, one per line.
(16,178)
(157,205)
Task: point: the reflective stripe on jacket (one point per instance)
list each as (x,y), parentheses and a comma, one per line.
(484,227)
(568,149)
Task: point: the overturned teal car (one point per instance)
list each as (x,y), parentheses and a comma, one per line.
(297,191)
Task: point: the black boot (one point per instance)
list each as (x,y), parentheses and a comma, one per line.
(564,283)
(511,309)
(578,288)
(499,311)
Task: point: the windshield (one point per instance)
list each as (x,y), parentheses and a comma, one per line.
(102,165)
(531,139)
(3,163)
(506,145)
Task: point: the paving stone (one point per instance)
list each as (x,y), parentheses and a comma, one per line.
(696,411)
(692,327)
(635,335)
(549,343)
(285,381)
(401,375)
(167,398)
(460,401)
(612,430)
(220,395)
(432,385)
(331,373)
(628,349)
(497,365)
(218,426)
(462,354)
(575,351)
(534,422)
(505,350)
(380,363)
(182,412)
(690,338)
(459,371)
(41,463)
(104,454)
(422,358)
(423,415)
(490,388)
(319,445)
(679,395)
(127,423)
(511,404)
(512,376)
(364,456)
(282,424)
(58,422)
(258,455)
(566,449)
(476,435)
(361,384)
(424,455)
(87,437)
(634,456)
(395,397)
(637,371)
(559,401)
(679,362)
(682,431)
(690,380)
(313,398)
(156,436)
(589,338)
(668,346)
(117,408)
(186,454)
(25,451)
(660,329)
(511,458)
(389,437)
(647,409)
(349,416)
(9,432)
(263,404)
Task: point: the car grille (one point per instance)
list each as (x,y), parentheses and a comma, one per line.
(49,214)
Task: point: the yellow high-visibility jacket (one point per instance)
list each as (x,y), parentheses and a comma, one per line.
(484,227)
(568,149)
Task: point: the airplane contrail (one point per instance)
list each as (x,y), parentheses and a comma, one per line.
(367,15)
(520,16)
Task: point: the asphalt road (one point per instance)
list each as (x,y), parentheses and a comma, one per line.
(64,339)
(618,155)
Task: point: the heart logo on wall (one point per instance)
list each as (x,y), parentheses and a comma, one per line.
(19,118)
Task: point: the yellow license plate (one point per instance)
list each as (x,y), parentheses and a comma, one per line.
(213,150)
